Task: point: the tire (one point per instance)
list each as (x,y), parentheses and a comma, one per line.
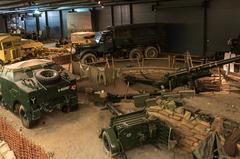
(47,76)
(106,142)
(151,52)
(26,121)
(88,58)
(136,53)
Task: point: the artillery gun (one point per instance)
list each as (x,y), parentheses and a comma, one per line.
(182,76)
(127,131)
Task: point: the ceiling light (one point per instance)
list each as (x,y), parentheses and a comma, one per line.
(37,12)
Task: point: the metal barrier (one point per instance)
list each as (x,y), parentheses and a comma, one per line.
(23,148)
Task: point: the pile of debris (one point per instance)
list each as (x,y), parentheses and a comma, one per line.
(189,131)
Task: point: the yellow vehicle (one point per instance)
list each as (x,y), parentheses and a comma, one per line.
(10,48)
(31,47)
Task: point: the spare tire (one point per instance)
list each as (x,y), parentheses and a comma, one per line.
(47,76)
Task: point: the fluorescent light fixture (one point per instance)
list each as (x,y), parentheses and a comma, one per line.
(81,10)
(37,12)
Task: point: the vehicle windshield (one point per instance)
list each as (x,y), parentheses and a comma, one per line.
(28,73)
(7,45)
(98,36)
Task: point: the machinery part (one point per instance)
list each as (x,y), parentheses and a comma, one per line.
(47,76)
(88,58)
(26,121)
(113,109)
(131,130)
(136,53)
(151,52)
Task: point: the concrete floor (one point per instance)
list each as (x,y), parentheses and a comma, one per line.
(75,135)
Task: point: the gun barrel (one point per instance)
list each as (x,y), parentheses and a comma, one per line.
(205,66)
(113,109)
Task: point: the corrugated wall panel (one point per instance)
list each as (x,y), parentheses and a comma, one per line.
(185,30)
(103,18)
(54,24)
(223,23)
(79,22)
(30,24)
(2,25)
(121,14)
(64,16)
(143,13)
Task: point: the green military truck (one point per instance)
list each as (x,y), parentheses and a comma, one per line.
(31,87)
(129,41)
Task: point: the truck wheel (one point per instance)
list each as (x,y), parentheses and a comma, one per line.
(136,53)
(47,76)
(26,121)
(107,144)
(88,58)
(151,52)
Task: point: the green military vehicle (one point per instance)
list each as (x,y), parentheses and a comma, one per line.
(128,41)
(31,87)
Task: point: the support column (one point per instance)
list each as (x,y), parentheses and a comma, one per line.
(205,24)
(47,25)
(61,23)
(37,25)
(6,25)
(112,15)
(131,13)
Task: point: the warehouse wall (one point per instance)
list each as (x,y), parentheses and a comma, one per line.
(223,23)
(121,14)
(2,25)
(103,18)
(30,24)
(143,13)
(54,24)
(185,29)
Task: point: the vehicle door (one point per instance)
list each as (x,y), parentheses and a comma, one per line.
(107,42)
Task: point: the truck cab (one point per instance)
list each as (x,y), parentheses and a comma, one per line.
(10,48)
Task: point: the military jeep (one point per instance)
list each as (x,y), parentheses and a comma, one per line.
(31,87)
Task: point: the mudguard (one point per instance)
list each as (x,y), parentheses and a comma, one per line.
(84,52)
(111,143)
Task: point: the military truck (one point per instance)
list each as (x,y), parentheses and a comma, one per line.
(10,48)
(129,41)
(31,87)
